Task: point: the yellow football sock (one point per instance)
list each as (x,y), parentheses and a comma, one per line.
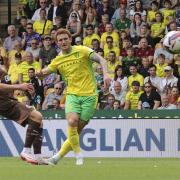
(66,147)
(73,138)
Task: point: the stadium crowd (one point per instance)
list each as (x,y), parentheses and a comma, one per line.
(127,33)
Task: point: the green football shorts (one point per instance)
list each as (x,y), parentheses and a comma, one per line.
(85,106)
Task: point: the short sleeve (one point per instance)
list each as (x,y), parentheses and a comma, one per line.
(52,67)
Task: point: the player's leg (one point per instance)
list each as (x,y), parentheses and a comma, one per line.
(88,107)
(34,137)
(66,147)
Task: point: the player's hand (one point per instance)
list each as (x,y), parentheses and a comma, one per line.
(39,74)
(26,87)
(107,81)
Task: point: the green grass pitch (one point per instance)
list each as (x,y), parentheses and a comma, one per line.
(93,169)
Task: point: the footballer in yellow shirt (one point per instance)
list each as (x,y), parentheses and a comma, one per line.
(74,63)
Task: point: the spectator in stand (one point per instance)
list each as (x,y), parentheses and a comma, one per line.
(118,93)
(103,96)
(132,97)
(90,19)
(28,63)
(144,50)
(126,43)
(16,49)
(112,63)
(128,60)
(13,69)
(34,49)
(49,81)
(168,81)
(90,36)
(178,14)
(77,8)
(74,26)
(58,94)
(117,12)
(29,35)
(99,76)
(22,28)
(109,32)
(136,25)
(172,26)
(150,97)
(153,78)
(43,5)
(138,8)
(88,7)
(162,50)
(102,25)
(135,76)
(160,65)
(105,8)
(174,95)
(165,102)
(143,70)
(10,41)
(117,105)
(144,33)
(109,47)
(157,28)
(110,102)
(78,41)
(42,26)
(58,20)
(55,104)
(47,52)
(167,10)
(123,23)
(53,40)
(170,19)
(152,13)
(36,98)
(95,45)
(120,77)
(57,9)
(30,7)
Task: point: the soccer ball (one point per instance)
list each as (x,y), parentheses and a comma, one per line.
(172,42)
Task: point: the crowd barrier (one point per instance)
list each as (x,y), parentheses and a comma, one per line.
(145,133)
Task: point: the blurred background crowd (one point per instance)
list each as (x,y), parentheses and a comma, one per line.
(127,33)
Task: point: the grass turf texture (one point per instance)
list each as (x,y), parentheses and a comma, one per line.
(93,169)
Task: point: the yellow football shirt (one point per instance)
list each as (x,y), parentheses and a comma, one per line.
(156,28)
(114,35)
(111,68)
(166,13)
(23,69)
(107,50)
(88,40)
(38,27)
(13,72)
(151,16)
(138,78)
(133,98)
(160,69)
(77,71)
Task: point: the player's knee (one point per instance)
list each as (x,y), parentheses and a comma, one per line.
(73,122)
(73,119)
(36,116)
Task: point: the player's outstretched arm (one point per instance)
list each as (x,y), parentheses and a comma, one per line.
(43,72)
(24,87)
